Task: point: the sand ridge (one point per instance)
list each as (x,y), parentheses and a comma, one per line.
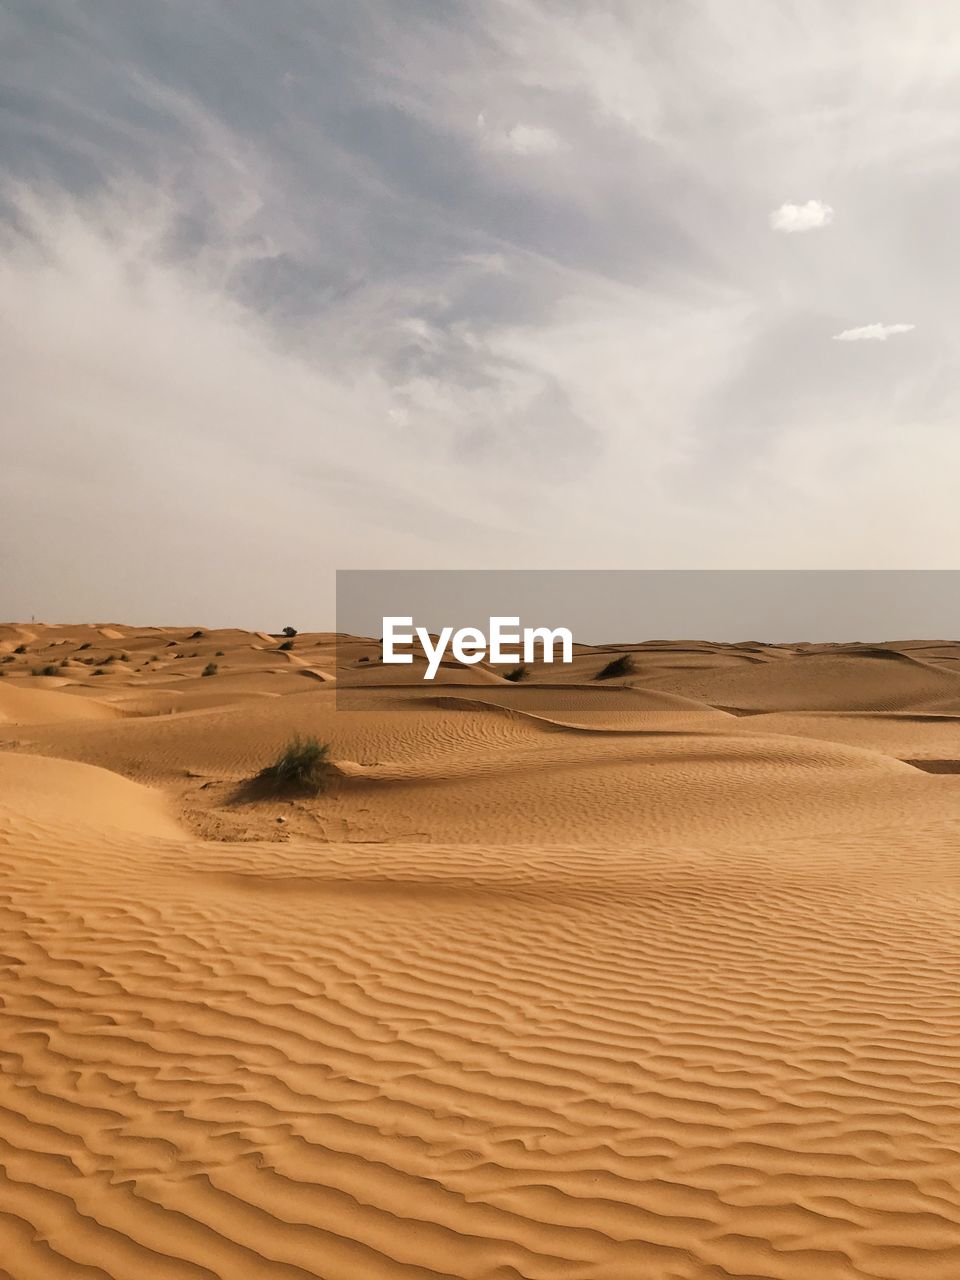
(564,979)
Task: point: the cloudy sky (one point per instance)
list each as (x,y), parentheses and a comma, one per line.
(323,284)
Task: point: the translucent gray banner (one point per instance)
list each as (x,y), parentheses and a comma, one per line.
(615,609)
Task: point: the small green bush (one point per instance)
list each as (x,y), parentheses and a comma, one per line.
(210,669)
(622,666)
(301,766)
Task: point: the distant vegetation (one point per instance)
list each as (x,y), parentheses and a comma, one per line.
(517,674)
(287,644)
(21,648)
(622,666)
(289,631)
(197,635)
(210,669)
(302,766)
(48,670)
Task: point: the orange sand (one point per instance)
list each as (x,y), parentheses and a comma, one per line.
(652,979)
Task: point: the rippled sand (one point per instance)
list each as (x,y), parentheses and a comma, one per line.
(652,980)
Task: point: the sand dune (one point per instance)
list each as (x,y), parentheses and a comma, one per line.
(562,980)
(33,706)
(64,795)
(873,680)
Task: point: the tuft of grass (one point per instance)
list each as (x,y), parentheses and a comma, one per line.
(287,644)
(301,766)
(48,670)
(516,674)
(210,669)
(622,666)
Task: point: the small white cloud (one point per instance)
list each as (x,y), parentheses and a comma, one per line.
(801,217)
(872,332)
(522,139)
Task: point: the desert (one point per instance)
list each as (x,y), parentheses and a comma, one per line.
(480,705)
(551,977)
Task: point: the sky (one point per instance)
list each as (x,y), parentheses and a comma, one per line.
(313,285)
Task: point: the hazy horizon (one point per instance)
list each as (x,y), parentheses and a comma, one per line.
(609,607)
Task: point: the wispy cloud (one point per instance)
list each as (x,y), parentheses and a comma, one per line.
(279,260)
(801,217)
(872,332)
